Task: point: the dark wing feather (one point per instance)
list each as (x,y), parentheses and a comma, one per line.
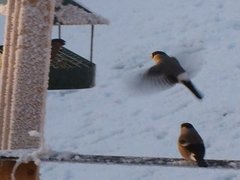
(197,149)
(157,75)
(151,80)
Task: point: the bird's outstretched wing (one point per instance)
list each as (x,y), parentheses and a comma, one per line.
(157,77)
(151,80)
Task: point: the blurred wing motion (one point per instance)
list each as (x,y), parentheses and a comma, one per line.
(150,81)
(166,72)
(155,80)
(156,76)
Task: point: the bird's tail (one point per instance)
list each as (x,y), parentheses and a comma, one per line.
(191,87)
(202,163)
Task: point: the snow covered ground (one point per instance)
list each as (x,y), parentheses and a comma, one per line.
(111,119)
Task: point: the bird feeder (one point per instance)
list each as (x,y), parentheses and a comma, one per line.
(69,70)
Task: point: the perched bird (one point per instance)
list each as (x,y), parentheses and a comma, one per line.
(1,52)
(167,71)
(56,46)
(190,145)
(1,49)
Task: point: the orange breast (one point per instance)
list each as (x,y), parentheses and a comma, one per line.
(185,153)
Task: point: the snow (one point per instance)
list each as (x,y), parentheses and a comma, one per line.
(109,119)
(73,15)
(3,9)
(34,133)
(69,14)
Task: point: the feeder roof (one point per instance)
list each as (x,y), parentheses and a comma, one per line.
(69,12)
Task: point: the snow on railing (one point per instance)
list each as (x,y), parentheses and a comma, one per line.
(53,156)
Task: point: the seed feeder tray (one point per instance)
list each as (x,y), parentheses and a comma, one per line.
(69,70)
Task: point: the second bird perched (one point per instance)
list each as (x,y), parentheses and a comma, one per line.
(190,145)
(168,71)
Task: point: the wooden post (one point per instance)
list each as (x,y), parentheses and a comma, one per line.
(24,81)
(25,171)
(8,69)
(30,77)
(24,76)
(4,69)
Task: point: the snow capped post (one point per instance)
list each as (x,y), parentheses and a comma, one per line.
(24,78)
(24,81)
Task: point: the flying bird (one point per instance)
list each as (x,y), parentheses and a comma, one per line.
(190,145)
(167,71)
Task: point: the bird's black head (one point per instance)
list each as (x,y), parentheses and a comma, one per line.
(60,41)
(187,125)
(159,53)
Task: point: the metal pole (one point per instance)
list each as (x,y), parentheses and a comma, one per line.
(59,31)
(91,48)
